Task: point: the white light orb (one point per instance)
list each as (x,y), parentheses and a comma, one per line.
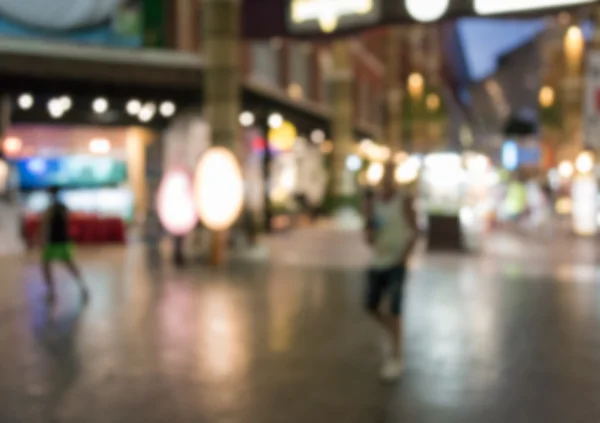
(218,189)
(133,107)
(427,10)
(375,173)
(247,119)
(175,204)
(566,169)
(55,108)
(147,113)
(353,163)
(275,121)
(100,105)
(585,162)
(317,136)
(167,109)
(25,101)
(66,102)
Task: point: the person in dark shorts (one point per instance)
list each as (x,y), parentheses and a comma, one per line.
(57,245)
(392,232)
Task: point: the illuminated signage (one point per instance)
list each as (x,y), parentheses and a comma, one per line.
(329,15)
(427,11)
(495,7)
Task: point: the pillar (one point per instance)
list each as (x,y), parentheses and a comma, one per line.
(135,146)
(394,93)
(417,63)
(550,53)
(221,47)
(436,127)
(343,185)
(221,25)
(572,91)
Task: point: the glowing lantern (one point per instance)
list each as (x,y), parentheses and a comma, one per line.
(218,188)
(175,203)
(283,137)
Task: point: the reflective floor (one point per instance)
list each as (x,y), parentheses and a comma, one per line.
(512,335)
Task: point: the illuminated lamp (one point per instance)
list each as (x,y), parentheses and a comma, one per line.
(317,136)
(584,163)
(574,46)
(353,163)
(100,105)
(275,120)
(25,101)
(55,108)
(133,107)
(493,7)
(247,119)
(175,203)
(547,97)
(408,170)
(375,173)
(12,146)
(147,112)
(218,189)
(167,109)
(283,137)
(416,85)
(566,169)
(66,102)
(427,11)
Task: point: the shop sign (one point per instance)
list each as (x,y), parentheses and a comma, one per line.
(331,15)
(496,7)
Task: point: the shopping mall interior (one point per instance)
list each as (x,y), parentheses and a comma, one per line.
(238,187)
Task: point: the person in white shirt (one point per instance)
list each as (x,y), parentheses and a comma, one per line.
(392,232)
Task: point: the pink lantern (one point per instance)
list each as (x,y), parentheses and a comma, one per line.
(175,203)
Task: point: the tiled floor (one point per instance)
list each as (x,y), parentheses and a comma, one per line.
(501,337)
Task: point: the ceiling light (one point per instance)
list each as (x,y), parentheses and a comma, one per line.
(100,105)
(275,120)
(25,101)
(247,119)
(147,113)
(167,109)
(55,108)
(133,107)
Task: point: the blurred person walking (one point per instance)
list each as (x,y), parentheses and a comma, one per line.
(57,245)
(392,232)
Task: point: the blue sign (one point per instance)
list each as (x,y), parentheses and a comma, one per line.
(101,22)
(70,172)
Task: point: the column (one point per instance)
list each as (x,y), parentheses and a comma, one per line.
(343,138)
(550,53)
(436,126)
(416,87)
(394,93)
(221,26)
(572,90)
(135,146)
(221,47)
